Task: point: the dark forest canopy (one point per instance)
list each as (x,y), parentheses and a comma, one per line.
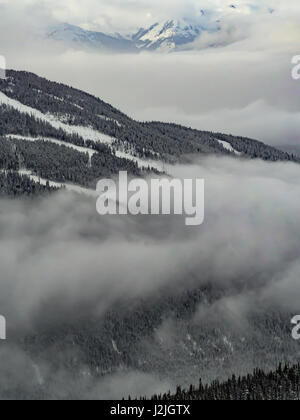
(169,141)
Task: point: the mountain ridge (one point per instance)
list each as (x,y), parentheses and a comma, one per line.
(54,136)
(74,35)
(168,35)
(50,127)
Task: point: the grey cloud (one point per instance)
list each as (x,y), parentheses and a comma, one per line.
(60,261)
(228,90)
(61,250)
(245,88)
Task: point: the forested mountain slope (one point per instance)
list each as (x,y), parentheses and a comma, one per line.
(33,108)
(156,336)
(282,384)
(53,136)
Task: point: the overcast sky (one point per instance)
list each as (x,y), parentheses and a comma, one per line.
(252,211)
(134,13)
(245,88)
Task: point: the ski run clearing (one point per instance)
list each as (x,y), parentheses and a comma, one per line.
(80,149)
(42,181)
(69,187)
(87,133)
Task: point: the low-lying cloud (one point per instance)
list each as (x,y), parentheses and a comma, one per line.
(61,262)
(60,248)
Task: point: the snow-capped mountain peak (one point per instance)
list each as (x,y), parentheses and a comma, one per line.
(165,36)
(168,35)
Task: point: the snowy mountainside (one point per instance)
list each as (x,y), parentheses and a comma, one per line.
(54,136)
(167,36)
(164,35)
(75,36)
(65,136)
(180,34)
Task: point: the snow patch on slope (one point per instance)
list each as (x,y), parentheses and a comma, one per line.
(228,147)
(80,149)
(228,343)
(115,347)
(103,117)
(142,163)
(60,185)
(87,133)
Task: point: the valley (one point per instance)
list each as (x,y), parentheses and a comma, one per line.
(136,300)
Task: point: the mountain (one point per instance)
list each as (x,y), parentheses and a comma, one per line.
(75,36)
(43,122)
(166,35)
(170,35)
(53,137)
(180,34)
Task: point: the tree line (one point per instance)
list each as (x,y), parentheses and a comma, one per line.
(281,384)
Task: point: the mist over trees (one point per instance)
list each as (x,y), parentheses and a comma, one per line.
(156,333)
(14,185)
